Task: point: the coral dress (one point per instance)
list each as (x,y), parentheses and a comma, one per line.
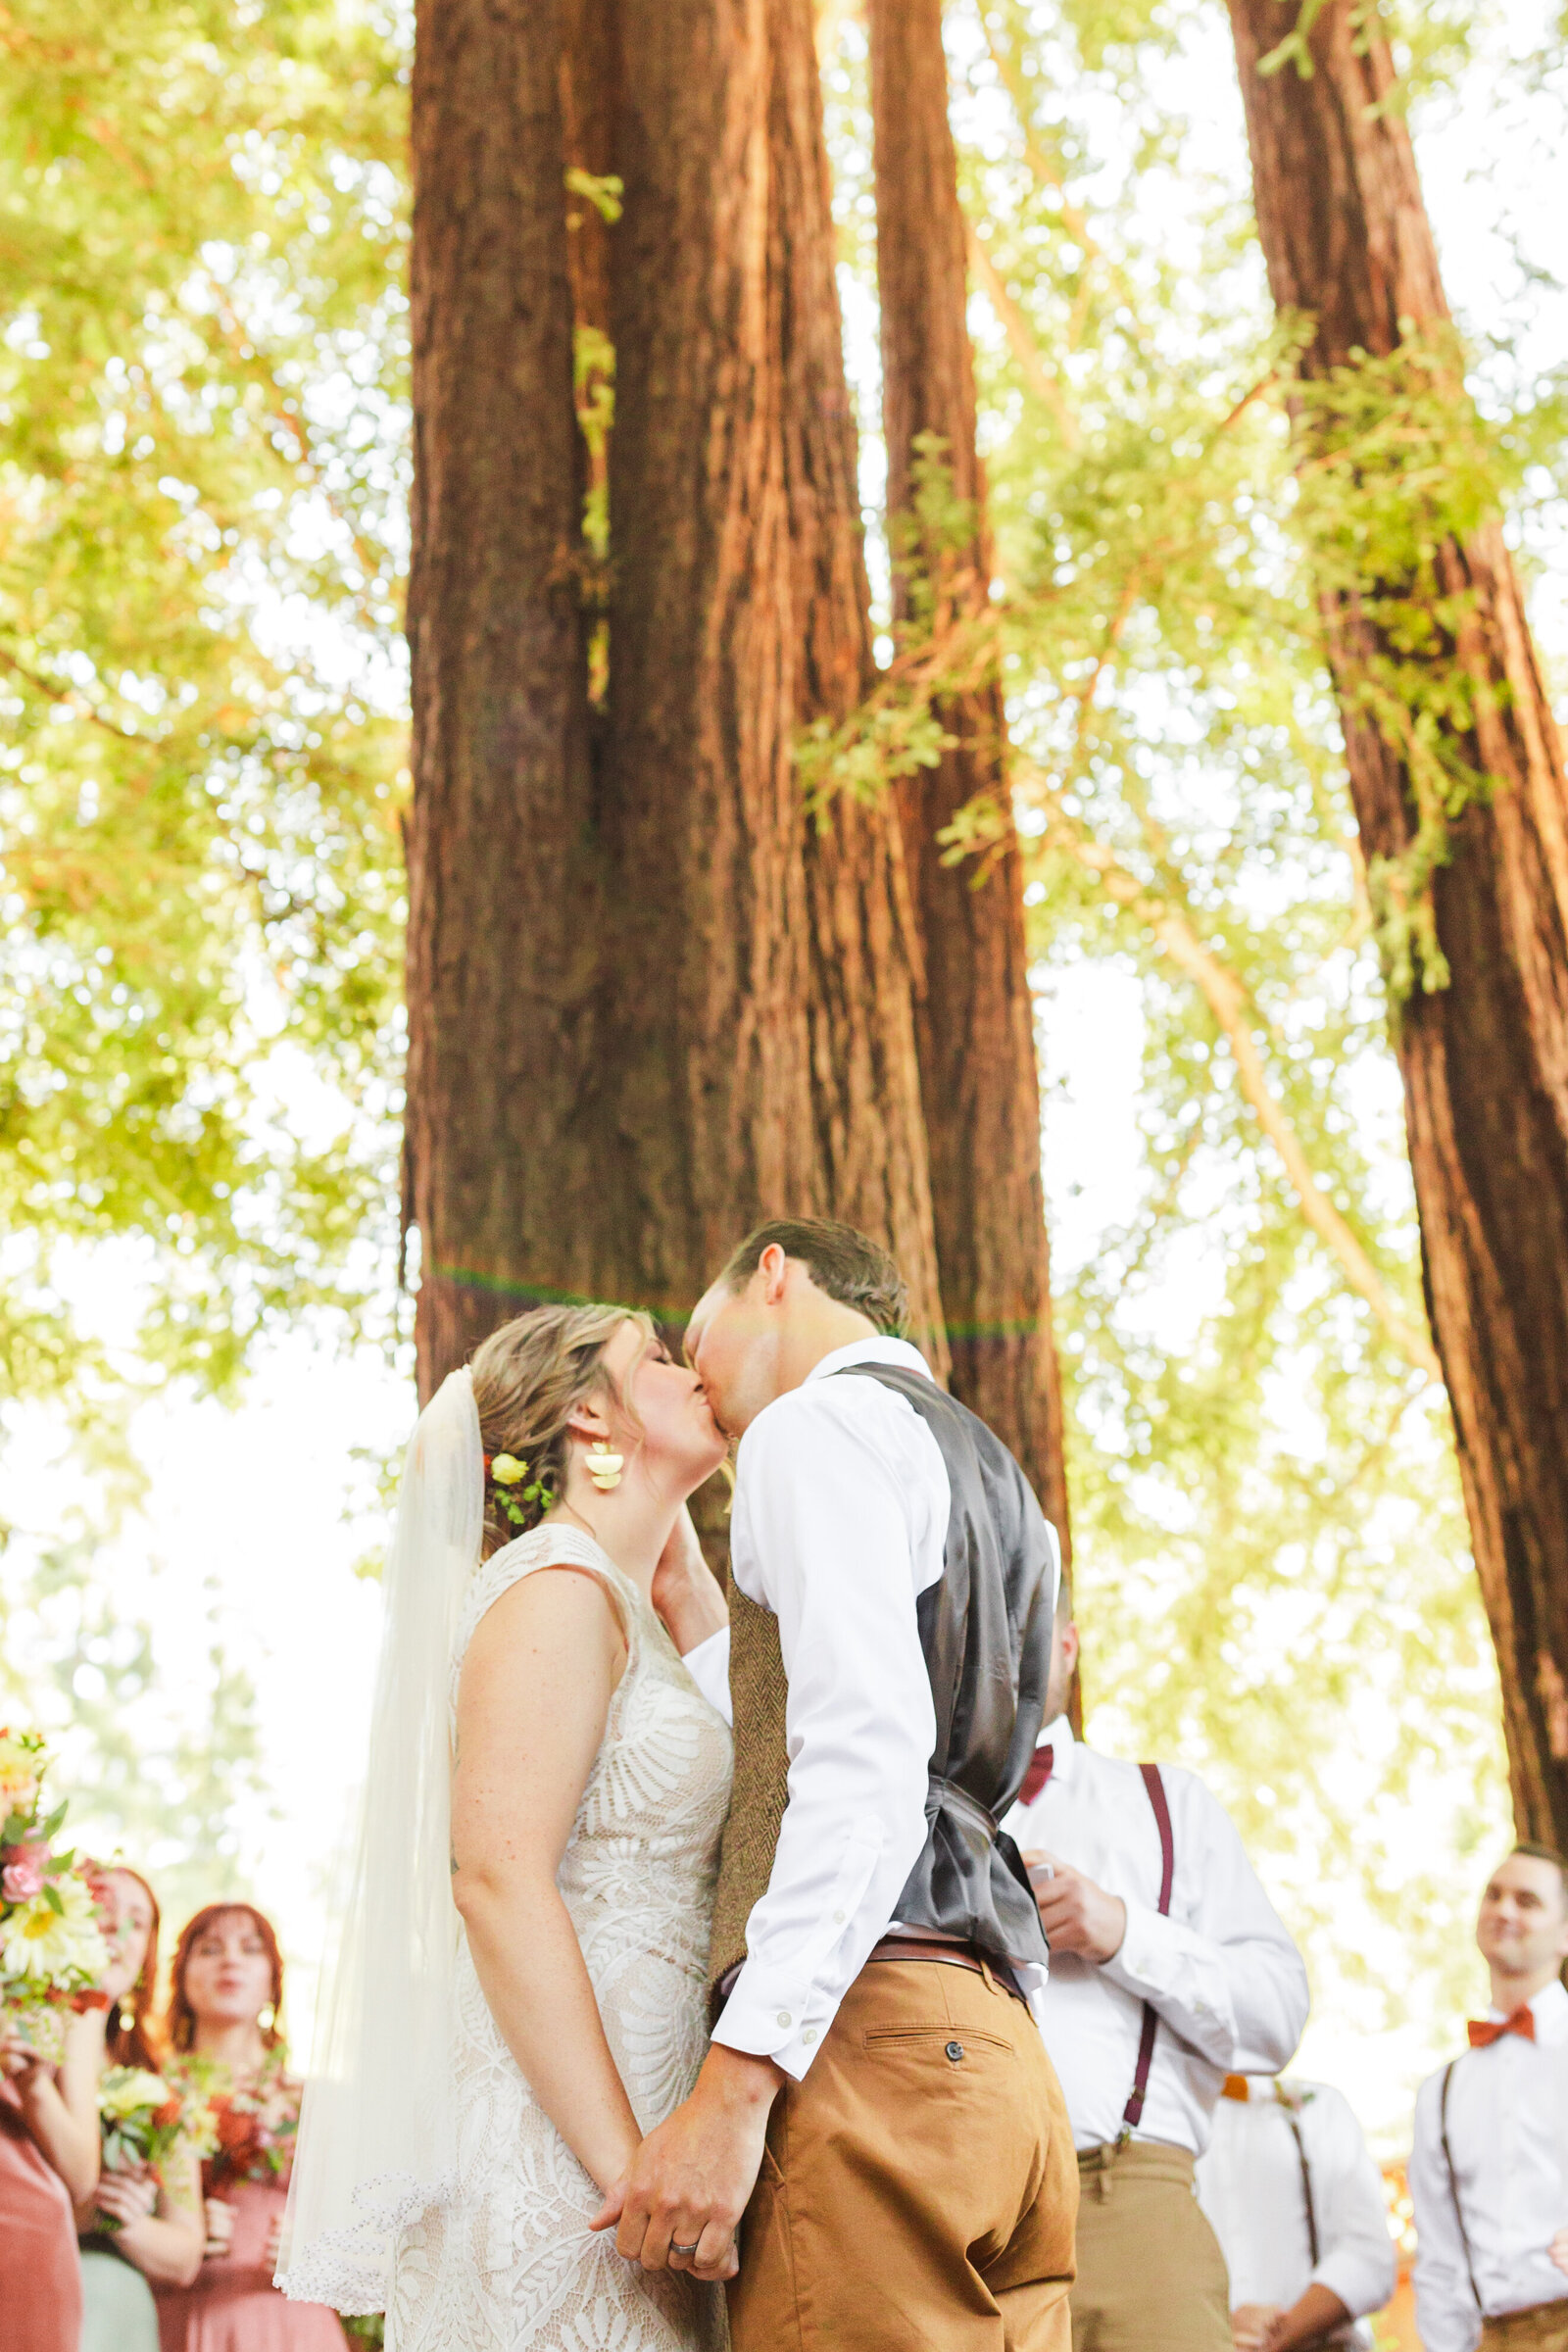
(234,2306)
(40,2277)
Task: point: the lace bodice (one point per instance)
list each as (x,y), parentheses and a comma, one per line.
(506,2260)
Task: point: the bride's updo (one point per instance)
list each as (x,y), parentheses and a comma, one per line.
(528,1378)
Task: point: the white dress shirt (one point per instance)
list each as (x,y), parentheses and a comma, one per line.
(1508,2135)
(840,1523)
(1221,1972)
(1249,2182)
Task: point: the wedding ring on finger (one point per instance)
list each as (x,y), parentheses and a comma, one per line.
(691,2249)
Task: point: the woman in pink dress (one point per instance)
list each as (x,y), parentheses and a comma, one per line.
(224,2005)
(48,2156)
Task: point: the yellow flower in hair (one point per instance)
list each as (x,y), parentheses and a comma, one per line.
(507,1470)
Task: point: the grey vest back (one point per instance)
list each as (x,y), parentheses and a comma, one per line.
(986,1631)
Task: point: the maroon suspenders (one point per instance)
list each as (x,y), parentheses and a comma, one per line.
(1132,2114)
(1453,2185)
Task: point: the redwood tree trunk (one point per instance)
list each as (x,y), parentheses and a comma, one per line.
(646,1010)
(502,893)
(1485,1059)
(864,969)
(978,1067)
(762,1038)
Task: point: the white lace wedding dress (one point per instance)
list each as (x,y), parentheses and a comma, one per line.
(505,2259)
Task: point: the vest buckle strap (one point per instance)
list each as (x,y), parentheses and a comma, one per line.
(941,1794)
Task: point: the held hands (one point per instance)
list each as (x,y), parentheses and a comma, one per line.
(128,2197)
(686,1594)
(692,2179)
(220,2219)
(1253,2325)
(1077,1915)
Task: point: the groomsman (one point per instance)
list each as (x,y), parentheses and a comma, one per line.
(1298,2206)
(1488,2176)
(1169,1969)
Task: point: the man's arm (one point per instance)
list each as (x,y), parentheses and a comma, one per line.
(824,1521)
(1355,2259)
(1229,1982)
(1445,2309)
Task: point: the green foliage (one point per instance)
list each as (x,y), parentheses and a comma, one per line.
(1393,465)
(202,356)
(1272,1563)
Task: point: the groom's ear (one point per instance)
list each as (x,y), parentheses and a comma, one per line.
(774,1268)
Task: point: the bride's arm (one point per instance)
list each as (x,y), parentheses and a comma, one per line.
(532,1703)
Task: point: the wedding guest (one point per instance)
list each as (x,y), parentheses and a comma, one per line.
(1169,1969)
(48,2159)
(1297,2204)
(226,2000)
(140,2229)
(1489,2174)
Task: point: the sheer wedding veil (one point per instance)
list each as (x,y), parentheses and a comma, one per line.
(377,2135)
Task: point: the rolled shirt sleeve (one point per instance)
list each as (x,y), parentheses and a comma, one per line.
(830,1536)
(1239,1997)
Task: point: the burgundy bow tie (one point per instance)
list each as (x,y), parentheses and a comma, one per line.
(1038,1774)
(1484,2030)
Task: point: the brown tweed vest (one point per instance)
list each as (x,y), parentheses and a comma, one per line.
(758,1691)
(985,1629)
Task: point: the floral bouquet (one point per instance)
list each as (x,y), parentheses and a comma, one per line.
(52,1951)
(142,2118)
(255,2128)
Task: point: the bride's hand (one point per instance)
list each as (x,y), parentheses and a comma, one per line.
(686,1592)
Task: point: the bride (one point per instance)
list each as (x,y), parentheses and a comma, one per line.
(521,1989)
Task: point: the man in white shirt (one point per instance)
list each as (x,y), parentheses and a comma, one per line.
(875,2071)
(1169,1969)
(1298,2206)
(1489,2174)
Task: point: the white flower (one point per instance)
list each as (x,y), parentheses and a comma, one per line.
(128,2090)
(44,1947)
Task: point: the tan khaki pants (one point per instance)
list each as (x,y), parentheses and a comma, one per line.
(1150,2274)
(1542,2328)
(919,2190)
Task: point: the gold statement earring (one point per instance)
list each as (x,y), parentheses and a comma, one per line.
(603,1467)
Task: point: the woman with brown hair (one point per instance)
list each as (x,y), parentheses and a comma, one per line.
(141,2228)
(522,1991)
(224,2002)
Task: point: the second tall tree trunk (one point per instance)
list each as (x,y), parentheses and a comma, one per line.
(1485,1058)
(978,1068)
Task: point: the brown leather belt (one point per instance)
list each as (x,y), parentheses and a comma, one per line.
(949,1955)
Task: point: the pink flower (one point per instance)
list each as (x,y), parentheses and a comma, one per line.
(23,1873)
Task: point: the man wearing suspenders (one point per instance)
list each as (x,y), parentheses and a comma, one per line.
(1489,2174)
(1298,2206)
(1169,1969)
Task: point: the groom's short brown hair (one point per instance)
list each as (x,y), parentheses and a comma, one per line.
(848,1265)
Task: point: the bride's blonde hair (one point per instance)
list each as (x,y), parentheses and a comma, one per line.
(528,1377)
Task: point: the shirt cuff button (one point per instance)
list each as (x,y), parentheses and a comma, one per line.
(809,2036)
(783,2017)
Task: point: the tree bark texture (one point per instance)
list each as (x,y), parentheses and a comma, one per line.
(763,1035)
(1485,1059)
(501,898)
(864,975)
(978,1067)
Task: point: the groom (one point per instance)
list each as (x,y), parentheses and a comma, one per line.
(876,2101)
